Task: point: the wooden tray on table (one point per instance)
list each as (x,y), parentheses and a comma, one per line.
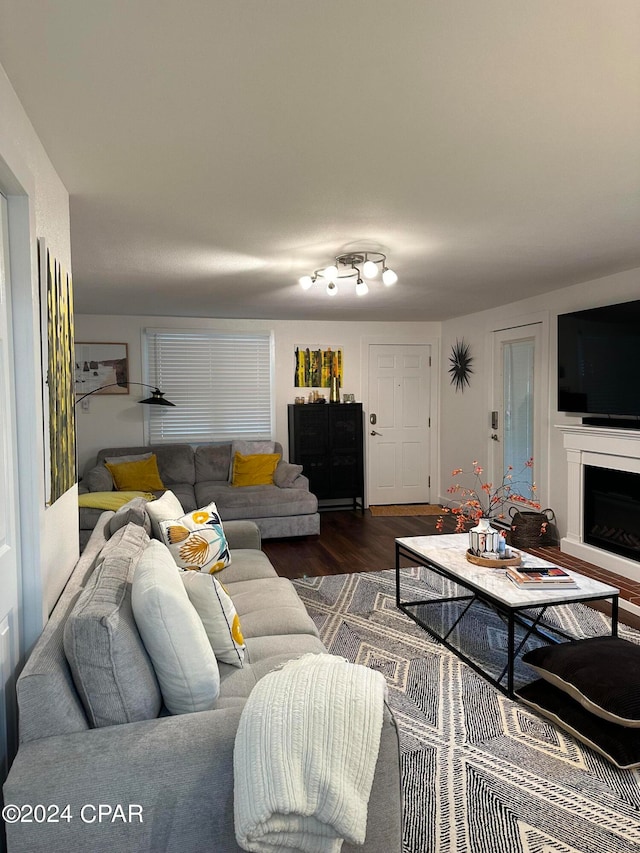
(494,563)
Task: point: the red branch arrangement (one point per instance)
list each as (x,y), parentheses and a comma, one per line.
(482,500)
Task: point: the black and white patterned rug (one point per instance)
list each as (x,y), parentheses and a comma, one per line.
(481,773)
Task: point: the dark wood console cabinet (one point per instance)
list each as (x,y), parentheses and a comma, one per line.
(326,439)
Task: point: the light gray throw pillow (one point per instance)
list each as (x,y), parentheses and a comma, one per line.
(286,473)
(98,479)
(173,634)
(111,669)
(129,457)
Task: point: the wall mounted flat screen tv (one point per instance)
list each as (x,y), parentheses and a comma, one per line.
(599,360)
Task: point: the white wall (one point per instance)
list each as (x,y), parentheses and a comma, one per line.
(464,438)
(38,208)
(116,420)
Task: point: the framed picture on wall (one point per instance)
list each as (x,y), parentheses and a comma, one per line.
(315,366)
(103,366)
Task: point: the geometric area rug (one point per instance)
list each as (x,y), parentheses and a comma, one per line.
(481,773)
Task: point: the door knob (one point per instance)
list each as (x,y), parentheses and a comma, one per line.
(373,432)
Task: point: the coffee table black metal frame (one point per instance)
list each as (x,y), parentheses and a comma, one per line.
(513,614)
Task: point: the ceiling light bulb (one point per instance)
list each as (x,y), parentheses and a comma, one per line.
(361,288)
(305,282)
(330,273)
(332,288)
(370,269)
(389,277)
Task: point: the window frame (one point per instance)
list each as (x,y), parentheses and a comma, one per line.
(235,338)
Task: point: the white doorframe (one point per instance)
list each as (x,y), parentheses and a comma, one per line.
(520,327)
(18,184)
(434,401)
(10,587)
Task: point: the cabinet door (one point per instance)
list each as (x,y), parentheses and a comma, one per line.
(345,427)
(345,475)
(345,438)
(311,428)
(308,445)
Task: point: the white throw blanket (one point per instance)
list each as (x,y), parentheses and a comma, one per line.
(305,755)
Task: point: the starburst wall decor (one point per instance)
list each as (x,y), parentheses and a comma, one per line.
(460,369)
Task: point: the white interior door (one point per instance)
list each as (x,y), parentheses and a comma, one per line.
(518,403)
(398,449)
(9,585)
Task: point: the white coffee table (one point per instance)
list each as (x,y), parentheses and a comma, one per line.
(446,556)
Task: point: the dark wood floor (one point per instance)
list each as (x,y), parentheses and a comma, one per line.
(349,541)
(352,541)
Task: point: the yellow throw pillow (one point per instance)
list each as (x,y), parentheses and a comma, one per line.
(143,476)
(254,470)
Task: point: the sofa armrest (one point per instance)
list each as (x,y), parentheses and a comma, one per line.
(173,781)
(173,778)
(242,534)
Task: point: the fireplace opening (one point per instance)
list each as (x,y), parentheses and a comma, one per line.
(612,511)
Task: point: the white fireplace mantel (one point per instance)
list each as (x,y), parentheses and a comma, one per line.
(600,447)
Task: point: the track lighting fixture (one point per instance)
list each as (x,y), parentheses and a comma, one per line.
(358,265)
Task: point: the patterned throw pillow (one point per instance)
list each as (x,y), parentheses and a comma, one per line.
(254,470)
(197,541)
(218,614)
(142,475)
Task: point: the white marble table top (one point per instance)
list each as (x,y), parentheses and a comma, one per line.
(448,551)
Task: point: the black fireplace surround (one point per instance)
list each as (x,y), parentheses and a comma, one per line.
(612,511)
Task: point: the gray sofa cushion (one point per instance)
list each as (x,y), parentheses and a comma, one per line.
(98,479)
(246,564)
(270,606)
(175,461)
(255,501)
(262,655)
(46,681)
(213,461)
(131,457)
(111,669)
(134,512)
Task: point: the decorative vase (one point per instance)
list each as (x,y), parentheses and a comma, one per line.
(334,396)
(483,538)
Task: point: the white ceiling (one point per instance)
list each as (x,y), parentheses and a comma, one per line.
(216,151)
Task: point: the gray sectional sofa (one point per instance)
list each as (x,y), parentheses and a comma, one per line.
(175,771)
(200,475)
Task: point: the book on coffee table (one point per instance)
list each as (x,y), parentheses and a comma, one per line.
(552,576)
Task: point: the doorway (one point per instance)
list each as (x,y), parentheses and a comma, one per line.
(519,393)
(398,424)
(9,543)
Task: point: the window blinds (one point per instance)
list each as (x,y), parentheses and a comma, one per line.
(220,384)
